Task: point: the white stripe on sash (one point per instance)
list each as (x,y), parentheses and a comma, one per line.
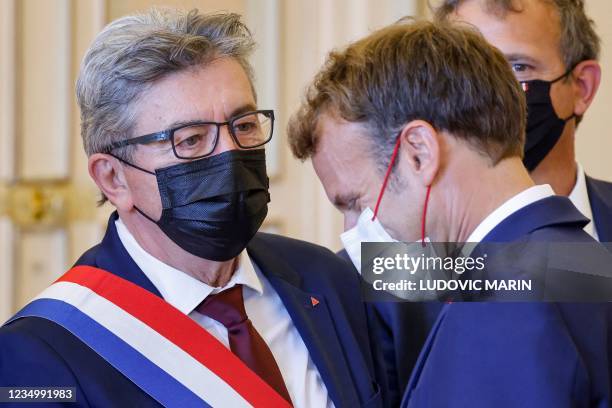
(159,350)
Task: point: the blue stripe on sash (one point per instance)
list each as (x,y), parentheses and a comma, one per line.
(144,373)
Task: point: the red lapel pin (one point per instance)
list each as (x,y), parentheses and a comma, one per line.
(314,301)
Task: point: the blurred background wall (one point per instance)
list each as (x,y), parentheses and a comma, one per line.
(48,215)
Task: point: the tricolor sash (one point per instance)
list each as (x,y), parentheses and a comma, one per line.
(161,350)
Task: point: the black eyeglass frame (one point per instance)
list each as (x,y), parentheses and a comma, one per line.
(168,134)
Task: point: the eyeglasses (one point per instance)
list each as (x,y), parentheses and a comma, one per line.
(199,139)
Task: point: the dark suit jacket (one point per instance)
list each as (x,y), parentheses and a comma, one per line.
(37,352)
(600,196)
(502,354)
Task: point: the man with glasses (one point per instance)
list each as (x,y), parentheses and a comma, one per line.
(184,303)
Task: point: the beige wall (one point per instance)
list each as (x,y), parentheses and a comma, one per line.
(310,30)
(594,138)
(118,8)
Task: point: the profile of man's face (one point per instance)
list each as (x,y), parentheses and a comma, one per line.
(349,170)
(341,146)
(215,92)
(530,40)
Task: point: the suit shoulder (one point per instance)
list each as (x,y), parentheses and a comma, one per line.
(296,245)
(27,359)
(89,256)
(38,352)
(26,336)
(302,253)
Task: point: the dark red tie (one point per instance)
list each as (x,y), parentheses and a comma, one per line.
(227,308)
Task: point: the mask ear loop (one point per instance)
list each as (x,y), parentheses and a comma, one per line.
(424,218)
(141,169)
(384,186)
(386,180)
(567,73)
(131,164)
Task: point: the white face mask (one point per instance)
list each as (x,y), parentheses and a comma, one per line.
(368,230)
(365,230)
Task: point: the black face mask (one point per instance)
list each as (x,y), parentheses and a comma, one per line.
(213,207)
(544,127)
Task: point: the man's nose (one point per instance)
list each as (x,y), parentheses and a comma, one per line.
(226,142)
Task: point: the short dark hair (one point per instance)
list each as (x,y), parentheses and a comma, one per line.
(445,74)
(579,40)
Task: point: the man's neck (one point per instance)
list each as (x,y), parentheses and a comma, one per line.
(559,166)
(157,244)
(479,192)
(561,178)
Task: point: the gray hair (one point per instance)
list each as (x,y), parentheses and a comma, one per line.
(579,40)
(133,51)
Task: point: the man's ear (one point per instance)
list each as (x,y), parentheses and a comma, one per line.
(420,149)
(587,76)
(108,174)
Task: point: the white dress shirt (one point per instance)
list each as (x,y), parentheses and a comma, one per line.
(580,198)
(522,199)
(262,304)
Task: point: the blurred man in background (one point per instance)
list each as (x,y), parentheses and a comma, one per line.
(183,303)
(418,131)
(553,49)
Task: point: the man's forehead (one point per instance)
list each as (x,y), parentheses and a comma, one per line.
(532,30)
(543,13)
(214,91)
(502,7)
(334,132)
(342,154)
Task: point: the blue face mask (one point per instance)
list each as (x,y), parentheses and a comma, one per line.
(213,207)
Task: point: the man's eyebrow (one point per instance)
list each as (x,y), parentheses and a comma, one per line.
(238,111)
(242,109)
(520,57)
(180,123)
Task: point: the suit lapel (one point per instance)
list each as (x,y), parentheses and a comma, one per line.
(312,318)
(600,197)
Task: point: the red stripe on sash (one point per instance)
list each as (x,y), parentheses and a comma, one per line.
(180,330)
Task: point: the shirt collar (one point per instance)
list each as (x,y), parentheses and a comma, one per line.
(179,289)
(522,199)
(580,198)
